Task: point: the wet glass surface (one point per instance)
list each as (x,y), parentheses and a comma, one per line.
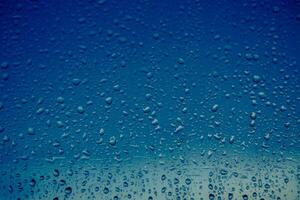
(154,100)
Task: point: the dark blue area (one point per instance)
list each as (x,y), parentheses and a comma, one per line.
(160,77)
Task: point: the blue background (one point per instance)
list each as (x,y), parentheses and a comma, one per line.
(179,58)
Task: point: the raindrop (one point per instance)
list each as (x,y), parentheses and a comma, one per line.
(108,100)
(105,190)
(188,181)
(68,190)
(76,81)
(55,173)
(215,108)
(80,110)
(112,141)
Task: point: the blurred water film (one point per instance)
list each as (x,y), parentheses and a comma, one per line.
(149,100)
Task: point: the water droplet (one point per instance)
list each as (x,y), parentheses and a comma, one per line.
(112,141)
(68,190)
(215,108)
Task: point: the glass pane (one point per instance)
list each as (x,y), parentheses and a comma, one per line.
(149,99)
